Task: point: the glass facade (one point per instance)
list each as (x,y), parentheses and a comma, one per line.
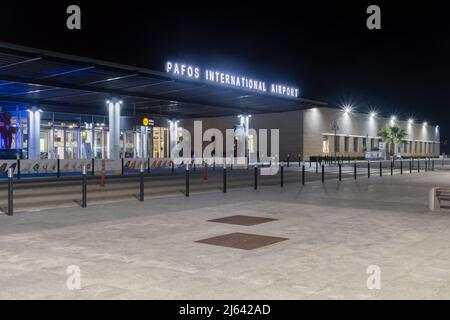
(68,136)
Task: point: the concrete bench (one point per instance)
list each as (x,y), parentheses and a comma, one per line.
(437,195)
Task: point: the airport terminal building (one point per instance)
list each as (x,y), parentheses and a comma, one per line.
(57,106)
(310,133)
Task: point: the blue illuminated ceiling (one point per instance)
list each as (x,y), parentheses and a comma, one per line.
(66,83)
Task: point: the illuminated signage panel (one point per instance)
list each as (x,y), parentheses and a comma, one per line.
(230,80)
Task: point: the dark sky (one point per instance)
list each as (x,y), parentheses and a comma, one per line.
(325,49)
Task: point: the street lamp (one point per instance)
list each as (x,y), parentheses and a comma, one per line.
(335,128)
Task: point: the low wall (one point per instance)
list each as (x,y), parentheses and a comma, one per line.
(54,167)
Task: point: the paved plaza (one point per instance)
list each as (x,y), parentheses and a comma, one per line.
(326,238)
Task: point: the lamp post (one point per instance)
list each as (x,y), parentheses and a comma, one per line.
(335,128)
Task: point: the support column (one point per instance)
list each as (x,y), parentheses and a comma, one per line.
(144,142)
(34,128)
(114,106)
(173,136)
(245,124)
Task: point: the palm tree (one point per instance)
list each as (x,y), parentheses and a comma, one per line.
(392,135)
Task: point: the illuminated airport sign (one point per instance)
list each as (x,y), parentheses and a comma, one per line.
(231,80)
(147,122)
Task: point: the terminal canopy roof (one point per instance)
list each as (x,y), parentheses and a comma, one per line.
(65,83)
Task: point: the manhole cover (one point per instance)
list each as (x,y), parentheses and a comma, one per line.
(242,241)
(243,220)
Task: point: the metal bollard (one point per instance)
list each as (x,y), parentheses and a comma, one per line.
(340,172)
(303,174)
(418,165)
(141,184)
(173,167)
(84,187)
(58,172)
(10,191)
(92,166)
(392,168)
(381,168)
(410,166)
(187,180)
(18,169)
(317,166)
(426,165)
(401,166)
(255,185)
(123,168)
(368,169)
(288,160)
(224,178)
(323,173)
(282,175)
(432,165)
(354,170)
(148,166)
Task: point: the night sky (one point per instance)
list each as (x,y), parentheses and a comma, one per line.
(324,49)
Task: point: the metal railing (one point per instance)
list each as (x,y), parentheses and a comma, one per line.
(286,172)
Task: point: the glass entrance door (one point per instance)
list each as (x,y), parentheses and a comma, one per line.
(71,144)
(160,142)
(100,143)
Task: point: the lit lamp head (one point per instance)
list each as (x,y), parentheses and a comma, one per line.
(347,109)
(393,120)
(373,114)
(425,124)
(411,121)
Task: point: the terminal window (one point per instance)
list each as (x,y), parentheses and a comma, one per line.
(325,145)
(336,144)
(355,144)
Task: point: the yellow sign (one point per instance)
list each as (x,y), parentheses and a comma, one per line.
(145,121)
(84,134)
